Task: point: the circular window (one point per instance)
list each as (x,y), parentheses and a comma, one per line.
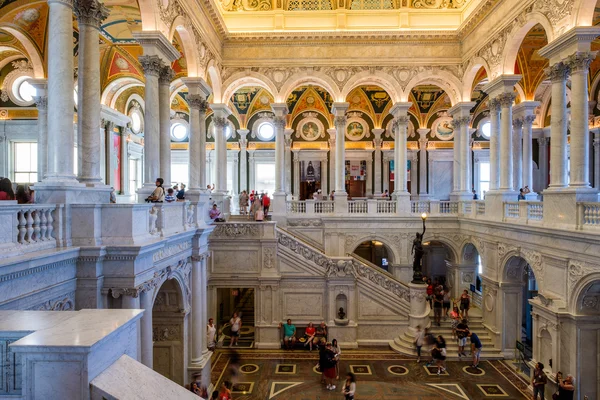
(485,130)
(22,90)
(136,122)
(266,131)
(179,132)
(228,132)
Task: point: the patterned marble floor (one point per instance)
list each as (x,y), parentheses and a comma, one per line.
(381,374)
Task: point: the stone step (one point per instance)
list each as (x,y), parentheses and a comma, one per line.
(489,353)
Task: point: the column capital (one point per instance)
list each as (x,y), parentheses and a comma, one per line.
(557,72)
(507,99)
(151,65)
(596,142)
(280,109)
(377,143)
(340,121)
(543,141)
(494,106)
(90,12)
(377,132)
(197,102)
(156,43)
(279,121)
(400,108)
(423,132)
(166,75)
(518,123)
(577,39)
(41,102)
(462,109)
(580,61)
(528,120)
(220,122)
(197,85)
(459,122)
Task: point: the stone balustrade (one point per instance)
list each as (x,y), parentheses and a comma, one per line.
(27,228)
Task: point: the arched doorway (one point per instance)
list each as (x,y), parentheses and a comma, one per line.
(588,342)
(520,286)
(168,328)
(435,260)
(375,252)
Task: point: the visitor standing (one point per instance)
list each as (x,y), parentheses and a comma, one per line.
(521,195)
(211,335)
(266,201)
(438,301)
(337,351)
(244,203)
(349,387)
(225,393)
(455,316)
(465,303)
(419,341)
(328,367)
(475,348)
(6,190)
(236,325)
(462,332)
(440,345)
(539,381)
(446,304)
(566,387)
(180,194)
(430,293)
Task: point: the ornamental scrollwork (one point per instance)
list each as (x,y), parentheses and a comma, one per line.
(236,230)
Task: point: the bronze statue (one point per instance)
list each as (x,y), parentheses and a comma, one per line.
(341,313)
(418,251)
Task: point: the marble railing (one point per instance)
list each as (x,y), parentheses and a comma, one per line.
(523,211)
(26,228)
(589,215)
(344,266)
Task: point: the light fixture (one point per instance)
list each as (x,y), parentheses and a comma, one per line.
(424,216)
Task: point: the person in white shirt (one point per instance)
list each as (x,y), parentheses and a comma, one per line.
(211,334)
(349,386)
(236,324)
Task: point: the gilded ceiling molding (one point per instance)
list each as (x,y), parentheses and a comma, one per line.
(371,37)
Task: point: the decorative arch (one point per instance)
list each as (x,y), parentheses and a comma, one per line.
(510,262)
(580,287)
(33,55)
(584,12)
(113,90)
(446,241)
(151,20)
(443,79)
(212,72)
(379,78)
(464,255)
(356,241)
(190,49)
(474,66)
(245,79)
(515,38)
(303,79)
(179,275)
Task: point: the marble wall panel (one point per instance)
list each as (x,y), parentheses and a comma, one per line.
(303,306)
(440,180)
(226,261)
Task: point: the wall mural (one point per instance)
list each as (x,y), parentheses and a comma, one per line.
(442,128)
(356,128)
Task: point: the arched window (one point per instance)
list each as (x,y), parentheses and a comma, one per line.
(266,131)
(136,121)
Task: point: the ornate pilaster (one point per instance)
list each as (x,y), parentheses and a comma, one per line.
(243,159)
(296,175)
(288,163)
(597,161)
(558,125)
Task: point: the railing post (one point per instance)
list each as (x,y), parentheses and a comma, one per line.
(371,206)
(580,216)
(434,207)
(310,207)
(523,211)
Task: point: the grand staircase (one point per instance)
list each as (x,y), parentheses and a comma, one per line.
(405,343)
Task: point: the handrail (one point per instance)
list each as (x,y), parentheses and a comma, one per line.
(343,266)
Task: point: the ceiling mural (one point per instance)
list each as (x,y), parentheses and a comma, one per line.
(124,18)
(180,65)
(309,98)
(529,63)
(122,100)
(31,20)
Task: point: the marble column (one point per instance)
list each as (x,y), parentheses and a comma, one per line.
(558,126)
(579,64)
(324,176)
(296,175)
(288,163)
(386,173)
(339,111)
(243,159)
(60,95)
(107,132)
(506,153)
(331,142)
(517,153)
(152,66)
(494,106)
(41,101)
(125,132)
(525,111)
(456,156)
(543,161)
(147,342)
(280,110)
(199,311)
(597,160)
(377,143)
(400,128)
(412,156)
(90,14)
(252,171)
(369,183)
(423,163)
(220,122)
(461,114)
(164,99)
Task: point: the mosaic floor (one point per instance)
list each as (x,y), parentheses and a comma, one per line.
(381,374)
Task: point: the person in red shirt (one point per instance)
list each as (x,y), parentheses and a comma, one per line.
(430,292)
(6,190)
(310,335)
(225,393)
(266,203)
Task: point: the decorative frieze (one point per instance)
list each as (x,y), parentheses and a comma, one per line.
(65,302)
(170,251)
(236,230)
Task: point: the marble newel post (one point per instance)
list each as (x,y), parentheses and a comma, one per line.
(579,64)
(288,164)
(340,120)
(164,100)
(423,163)
(243,159)
(525,112)
(152,66)
(419,308)
(400,129)
(200,352)
(60,176)
(198,92)
(280,110)
(378,142)
(90,14)
(41,101)
(220,122)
